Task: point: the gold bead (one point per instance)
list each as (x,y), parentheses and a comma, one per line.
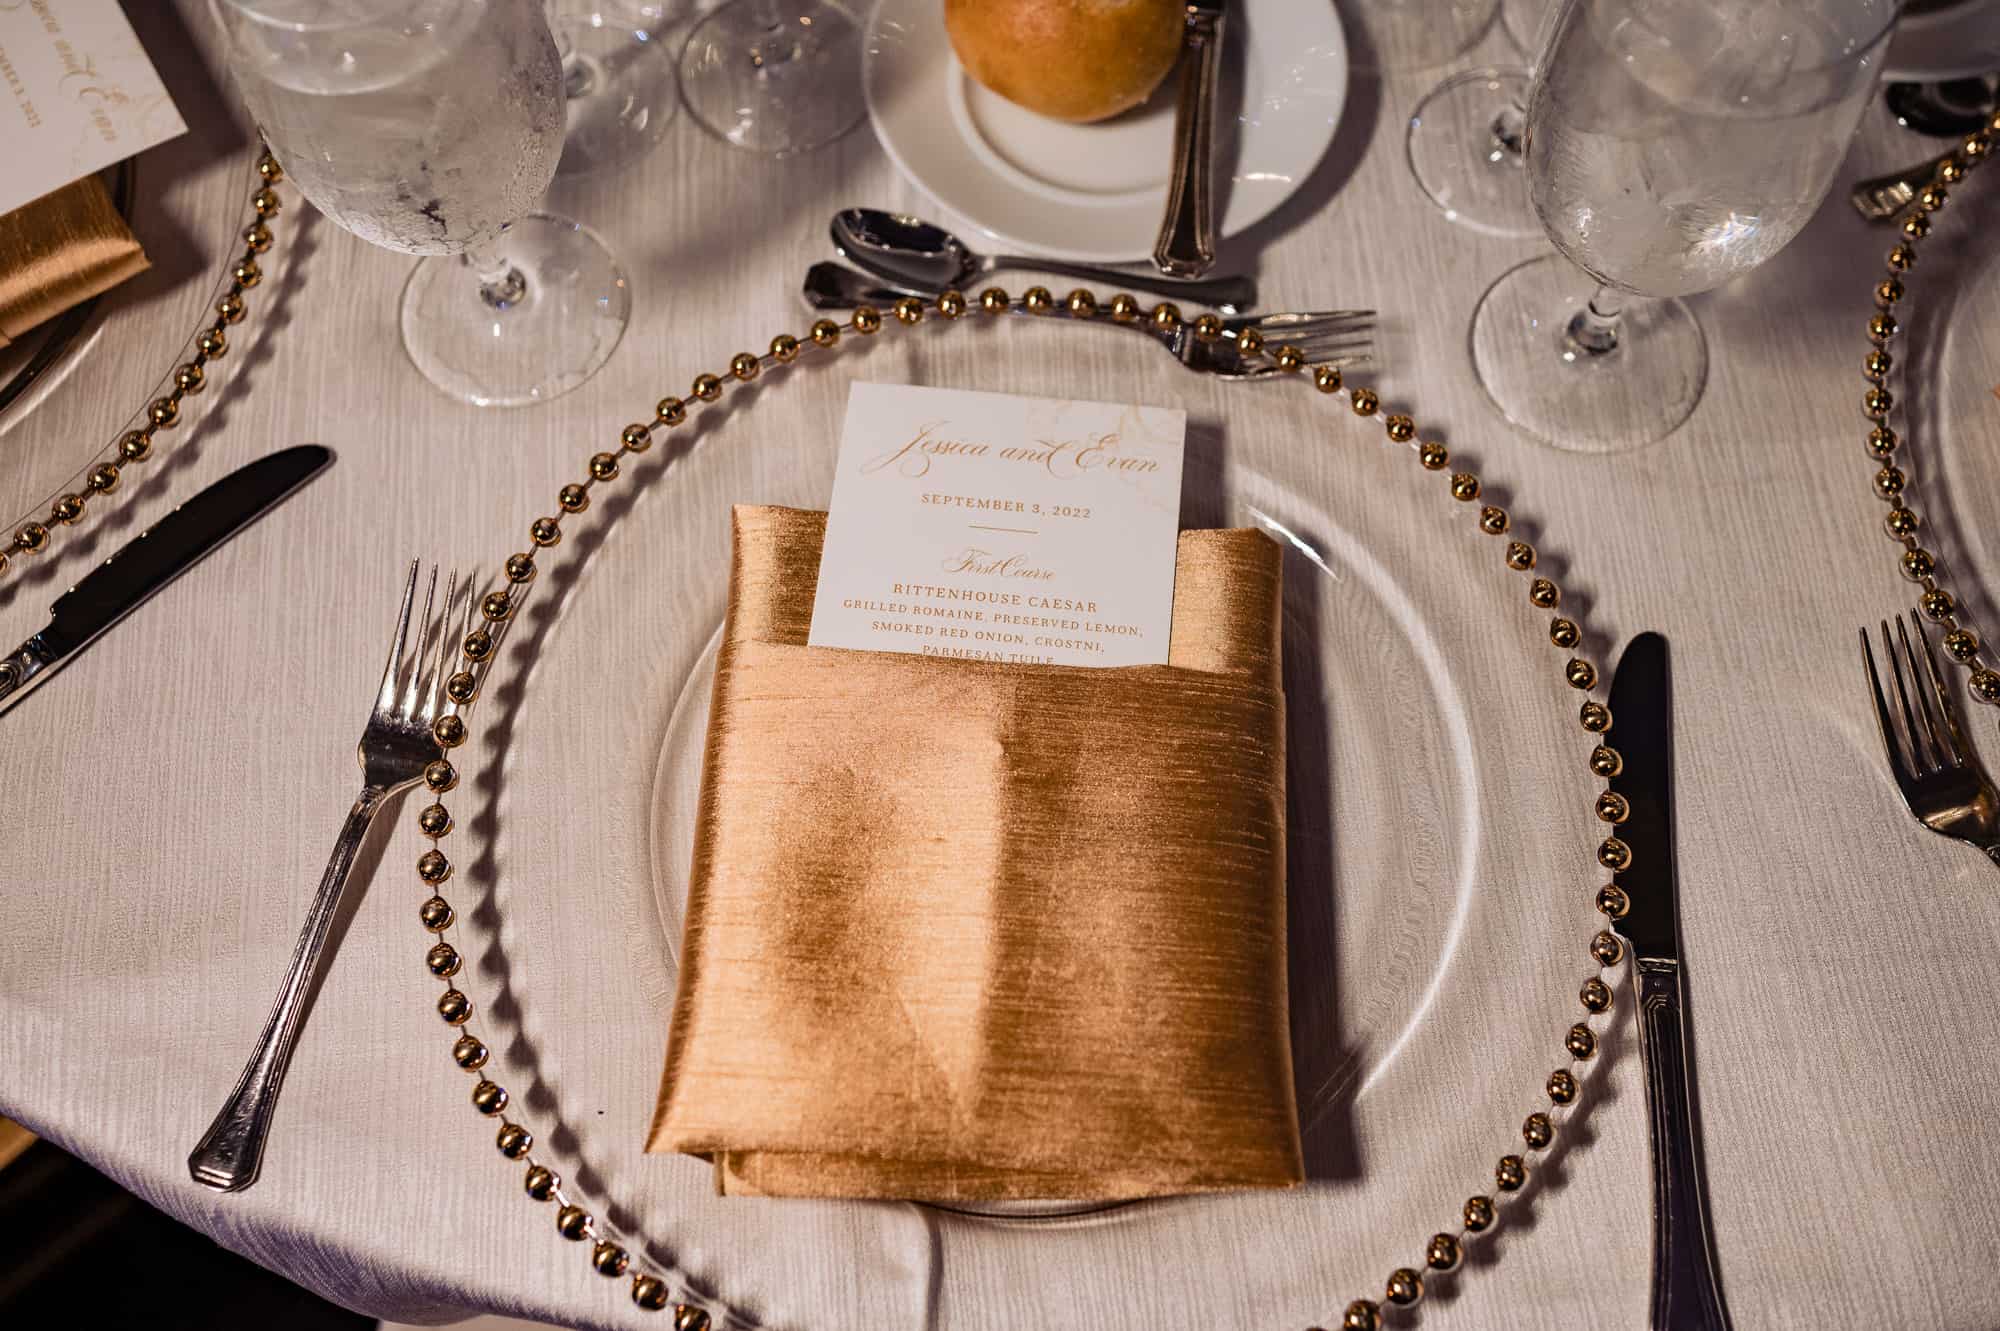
(1510,1173)
(1607,949)
(1542,594)
(1975,145)
(1400,428)
(448,730)
(1985,685)
(1606,762)
(1562,1086)
(649,1292)
(1249,341)
(1595,717)
(103,478)
(1612,807)
(1433,455)
(707,387)
(636,437)
(437,914)
(1081,304)
(785,347)
(189,378)
(1882,442)
(434,820)
(604,466)
(573,498)
(247,274)
(212,343)
(469,1053)
(572,1222)
(462,686)
(1961,645)
(995,300)
(257,238)
(1581,1042)
(951,303)
(265,202)
(1290,359)
(1614,854)
(520,566)
(1442,1252)
(432,866)
(454,1007)
(1875,403)
(1404,1287)
(164,413)
(67,510)
(689,1318)
(1364,401)
(514,1141)
(608,1259)
(1361,1316)
(443,960)
(1478,1214)
(269,170)
(1125,308)
(1564,633)
(1464,486)
(1521,557)
(1916,226)
(824,333)
(496,606)
(1537,1131)
(1876,365)
(1580,673)
(1595,995)
(1951,171)
(1918,564)
(1932,197)
(909,310)
(1888,291)
(1166,316)
(478,645)
(544,531)
(541,1182)
(1326,379)
(1208,327)
(30,537)
(135,445)
(1889,482)
(1038,300)
(1882,327)
(1493,520)
(440,775)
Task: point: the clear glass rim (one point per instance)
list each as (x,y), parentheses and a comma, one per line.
(1861,49)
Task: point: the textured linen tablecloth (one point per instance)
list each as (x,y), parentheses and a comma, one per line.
(171,797)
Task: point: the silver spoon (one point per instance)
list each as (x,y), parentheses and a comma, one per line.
(916,254)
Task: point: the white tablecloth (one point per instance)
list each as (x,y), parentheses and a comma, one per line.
(171,797)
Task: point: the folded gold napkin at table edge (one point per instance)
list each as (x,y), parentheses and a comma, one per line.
(59,251)
(967,930)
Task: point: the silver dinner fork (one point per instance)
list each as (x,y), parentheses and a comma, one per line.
(396,745)
(1324,337)
(1935,769)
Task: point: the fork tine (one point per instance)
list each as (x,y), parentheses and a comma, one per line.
(385,697)
(431,691)
(1953,739)
(1891,743)
(418,650)
(1926,713)
(1920,753)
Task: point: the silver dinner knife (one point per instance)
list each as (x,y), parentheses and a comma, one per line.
(1687,1296)
(1186,244)
(151,560)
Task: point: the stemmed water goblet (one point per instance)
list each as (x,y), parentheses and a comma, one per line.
(775,77)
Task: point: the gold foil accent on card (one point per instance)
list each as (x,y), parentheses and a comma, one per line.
(964,930)
(58,252)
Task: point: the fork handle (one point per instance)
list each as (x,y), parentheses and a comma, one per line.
(229,1155)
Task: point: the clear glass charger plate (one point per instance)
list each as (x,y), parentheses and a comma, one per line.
(1439,885)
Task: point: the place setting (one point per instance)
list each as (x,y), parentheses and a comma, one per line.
(891,801)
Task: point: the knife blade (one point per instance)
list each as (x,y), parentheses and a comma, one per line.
(1687,1296)
(151,560)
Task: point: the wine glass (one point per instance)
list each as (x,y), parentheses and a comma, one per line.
(431,127)
(776,77)
(1465,138)
(1671,146)
(618,80)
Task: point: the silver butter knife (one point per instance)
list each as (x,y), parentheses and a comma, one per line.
(1186,245)
(151,560)
(1687,1296)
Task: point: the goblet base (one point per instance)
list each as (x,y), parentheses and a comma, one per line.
(546,328)
(1465,149)
(620,91)
(1545,364)
(776,77)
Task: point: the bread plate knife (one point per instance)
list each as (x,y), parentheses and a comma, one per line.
(151,560)
(1686,1293)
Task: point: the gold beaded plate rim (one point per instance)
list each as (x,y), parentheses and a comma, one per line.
(1572,1043)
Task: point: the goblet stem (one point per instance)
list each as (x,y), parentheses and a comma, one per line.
(1510,131)
(501,285)
(1593,330)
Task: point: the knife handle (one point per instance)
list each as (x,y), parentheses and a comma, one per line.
(1186,245)
(18,667)
(1686,1293)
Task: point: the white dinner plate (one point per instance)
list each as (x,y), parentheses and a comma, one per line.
(1097,192)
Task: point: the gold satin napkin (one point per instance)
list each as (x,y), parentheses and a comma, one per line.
(59,251)
(964,930)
